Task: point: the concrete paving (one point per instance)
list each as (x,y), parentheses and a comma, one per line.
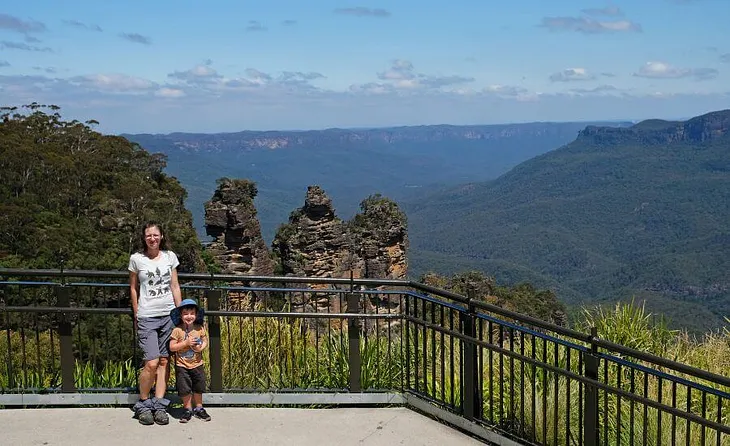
(234,426)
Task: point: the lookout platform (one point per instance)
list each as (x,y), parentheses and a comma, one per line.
(230,425)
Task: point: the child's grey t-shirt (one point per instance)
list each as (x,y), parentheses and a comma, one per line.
(155,279)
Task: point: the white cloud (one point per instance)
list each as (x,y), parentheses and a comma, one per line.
(12,23)
(399,70)
(169,93)
(136,38)
(81,25)
(599,90)
(517,93)
(255,26)
(363,12)
(199,74)
(610,11)
(399,95)
(402,75)
(257,76)
(663,70)
(588,25)
(117,83)
(6,45)
(572,74)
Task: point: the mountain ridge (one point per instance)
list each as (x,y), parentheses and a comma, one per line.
(275,139)
(707,127)
(610,215)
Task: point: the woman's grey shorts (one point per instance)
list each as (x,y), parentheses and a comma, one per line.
(154,336)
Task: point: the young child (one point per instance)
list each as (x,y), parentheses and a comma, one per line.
(188,340)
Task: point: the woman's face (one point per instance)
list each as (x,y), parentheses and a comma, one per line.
(152,237)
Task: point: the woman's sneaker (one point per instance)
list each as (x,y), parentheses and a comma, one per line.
(145,417)
(200,412)
(161,417)
(186,416)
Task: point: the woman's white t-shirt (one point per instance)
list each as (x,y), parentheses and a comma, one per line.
(155,283)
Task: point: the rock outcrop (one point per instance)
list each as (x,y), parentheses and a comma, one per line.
(315,242)
(380,239)
(230,218)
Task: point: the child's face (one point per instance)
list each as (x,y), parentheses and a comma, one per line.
(188,315)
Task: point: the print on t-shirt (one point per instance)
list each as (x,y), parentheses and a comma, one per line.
(190,353)
(159,284)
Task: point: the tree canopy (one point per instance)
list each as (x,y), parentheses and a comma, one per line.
(72,196)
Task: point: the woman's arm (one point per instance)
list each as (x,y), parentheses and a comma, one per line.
(175,287)
(134,293)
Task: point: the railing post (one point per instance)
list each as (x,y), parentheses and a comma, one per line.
(213,297)
(470,389)
(353,336)
(590,409)
(65,334)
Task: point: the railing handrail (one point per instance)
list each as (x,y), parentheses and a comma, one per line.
(467,301)
(203,276)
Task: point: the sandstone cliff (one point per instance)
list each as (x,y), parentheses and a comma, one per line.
(315,242)
(230,217)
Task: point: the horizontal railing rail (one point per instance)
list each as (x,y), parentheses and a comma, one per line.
(71,332)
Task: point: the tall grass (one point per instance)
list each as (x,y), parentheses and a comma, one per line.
(277,353)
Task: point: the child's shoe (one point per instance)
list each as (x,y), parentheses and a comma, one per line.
(186,416)
(200,412)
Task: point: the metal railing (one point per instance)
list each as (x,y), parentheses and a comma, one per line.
(475,364)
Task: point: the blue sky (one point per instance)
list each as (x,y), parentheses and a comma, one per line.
(166,66)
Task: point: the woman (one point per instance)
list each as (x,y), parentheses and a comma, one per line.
(154,290)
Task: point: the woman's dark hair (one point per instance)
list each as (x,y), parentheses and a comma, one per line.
(163,239)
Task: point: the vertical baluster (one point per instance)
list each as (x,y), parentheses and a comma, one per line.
(688,430)
(443,361)
(213,297)
(632,389)
(674,417)
(354,359)
(618,405)
(533,386)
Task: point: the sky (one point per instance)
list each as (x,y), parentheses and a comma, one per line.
(220,66)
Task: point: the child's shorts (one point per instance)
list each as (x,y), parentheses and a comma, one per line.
(189,381)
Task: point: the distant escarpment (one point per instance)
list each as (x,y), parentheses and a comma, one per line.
(699,129)
(274,139)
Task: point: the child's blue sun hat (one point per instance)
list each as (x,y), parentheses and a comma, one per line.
(175,312)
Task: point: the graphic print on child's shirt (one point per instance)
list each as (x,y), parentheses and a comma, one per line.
(189,353)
